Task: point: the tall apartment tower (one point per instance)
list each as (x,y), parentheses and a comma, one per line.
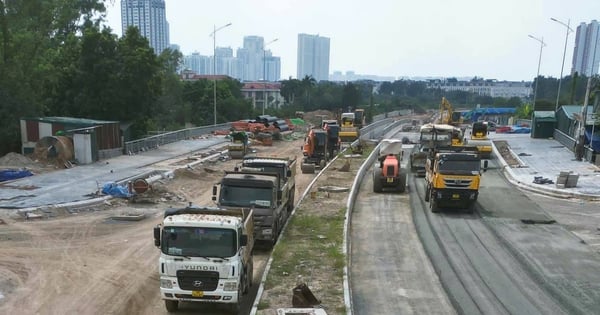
(150,18)
(313,57)
(586,55)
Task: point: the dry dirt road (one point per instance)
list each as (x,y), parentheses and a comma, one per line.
(88,263)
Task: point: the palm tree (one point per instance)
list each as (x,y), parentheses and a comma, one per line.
(308,83)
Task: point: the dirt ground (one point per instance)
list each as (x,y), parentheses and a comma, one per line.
(86,262)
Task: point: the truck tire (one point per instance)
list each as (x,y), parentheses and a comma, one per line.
(250,274)
(402,185)
(433,204)
(427,192)
(322,163)
(377,185)
(172,306)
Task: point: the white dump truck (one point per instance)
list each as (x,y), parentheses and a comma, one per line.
(205,255)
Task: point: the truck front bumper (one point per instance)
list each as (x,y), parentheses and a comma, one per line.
(217,296)
(455,198)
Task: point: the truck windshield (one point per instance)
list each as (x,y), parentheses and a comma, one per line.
(199,242)
(459,167)
(238,196)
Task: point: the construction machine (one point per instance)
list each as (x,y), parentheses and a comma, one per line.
(359,118)
(333,133)
(433,136)
(315,150)
(479,139)
(387,171)
(452,179)
(239,144)
(199,248)
(348,132)
(447,114)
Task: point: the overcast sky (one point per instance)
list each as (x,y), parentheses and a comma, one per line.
(391,37)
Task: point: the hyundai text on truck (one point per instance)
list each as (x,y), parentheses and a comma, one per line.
(205,256)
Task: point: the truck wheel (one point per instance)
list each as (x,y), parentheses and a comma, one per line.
(402,185)
(291,202)
(427,192)
(433,205)
(250,273)
(322,163)
(172,306)
(377,185)
(471,207)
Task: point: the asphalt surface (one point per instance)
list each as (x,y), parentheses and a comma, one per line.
(80,183)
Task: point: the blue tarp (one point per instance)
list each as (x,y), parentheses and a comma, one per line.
(13,174)
(111,188)
(474,114)
(596,142)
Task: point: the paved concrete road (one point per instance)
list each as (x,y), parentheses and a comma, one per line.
(391,274)
(80,182)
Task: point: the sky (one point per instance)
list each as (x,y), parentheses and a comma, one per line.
(413,38)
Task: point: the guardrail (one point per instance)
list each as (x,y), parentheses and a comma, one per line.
(564,139)
(145,144)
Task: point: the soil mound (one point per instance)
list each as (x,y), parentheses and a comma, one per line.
(16,160)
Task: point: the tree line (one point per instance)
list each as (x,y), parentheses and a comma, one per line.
(58,59)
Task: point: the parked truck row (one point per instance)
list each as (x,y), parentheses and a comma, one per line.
(206,252)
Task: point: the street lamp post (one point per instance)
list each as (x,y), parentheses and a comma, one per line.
(579,150)
(265,73)
(569,30)
(214,36)
(542,44)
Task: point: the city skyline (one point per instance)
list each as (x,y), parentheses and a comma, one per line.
(430,38)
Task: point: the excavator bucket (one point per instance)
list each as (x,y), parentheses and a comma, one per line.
(303,297)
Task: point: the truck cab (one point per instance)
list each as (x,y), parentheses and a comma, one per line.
(205,255)
(452,180)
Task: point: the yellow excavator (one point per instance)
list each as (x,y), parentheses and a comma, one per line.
(447,114)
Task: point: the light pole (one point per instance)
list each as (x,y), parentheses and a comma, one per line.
(214,36)
(542,44)
(579,150)
(265,73)
(569,30)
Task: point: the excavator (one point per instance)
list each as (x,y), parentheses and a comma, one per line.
(315,150)
(448,116)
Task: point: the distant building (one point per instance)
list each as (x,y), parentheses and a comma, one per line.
(586,55)
(259,91)
(352,76)
(490,87)
(251,62)
(150,18)
(313,57)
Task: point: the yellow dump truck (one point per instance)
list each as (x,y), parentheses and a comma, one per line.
(479,138)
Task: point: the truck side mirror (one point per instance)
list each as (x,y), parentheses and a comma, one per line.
(214,193)
(288,173)
(244,240)
(157,236)
(485,165)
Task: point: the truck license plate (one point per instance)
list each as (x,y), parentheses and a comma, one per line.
(197,293)
(390,180)
(455,196)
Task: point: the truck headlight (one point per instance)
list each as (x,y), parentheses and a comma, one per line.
(230,286)
(166,283)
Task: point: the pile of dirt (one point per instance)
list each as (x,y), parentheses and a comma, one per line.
(315,117)
(16,160)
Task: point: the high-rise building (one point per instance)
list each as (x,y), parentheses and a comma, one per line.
(150,18)
(313,57)
(586,55)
